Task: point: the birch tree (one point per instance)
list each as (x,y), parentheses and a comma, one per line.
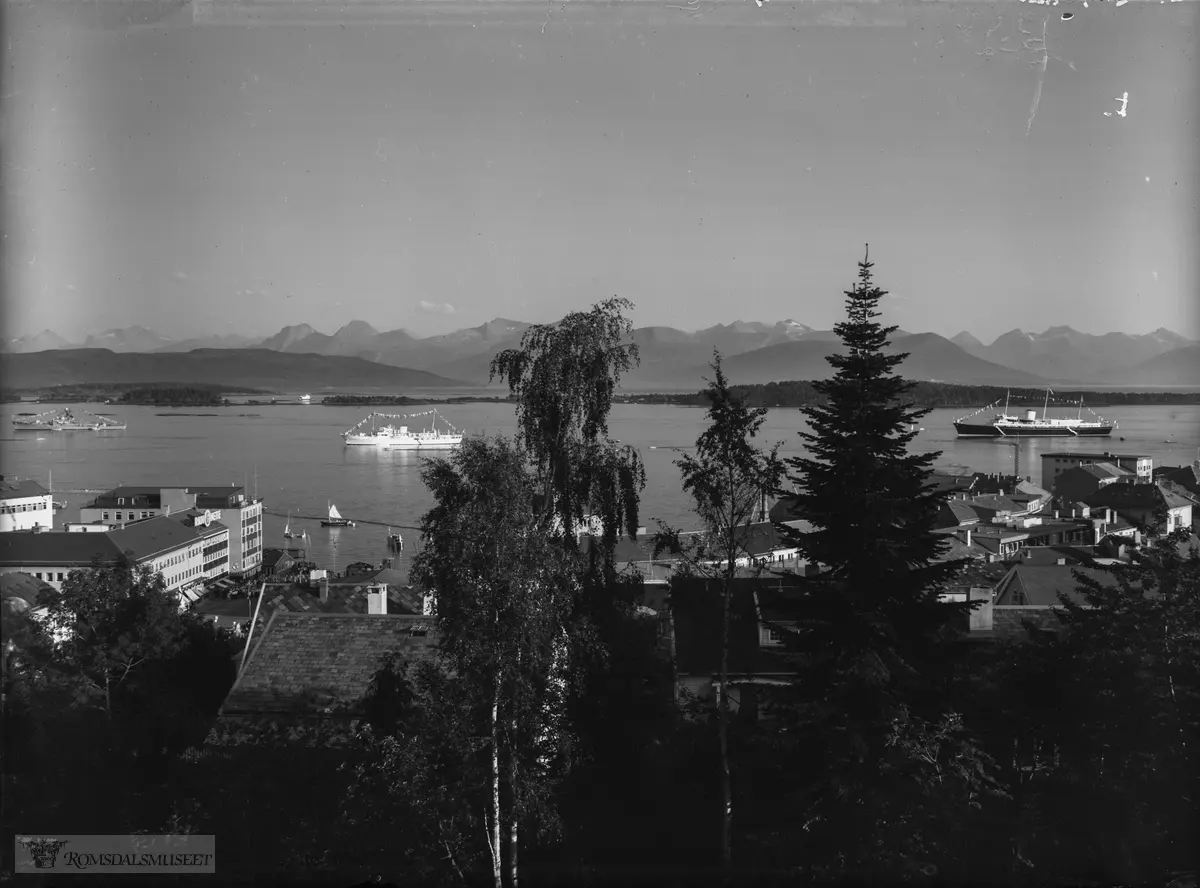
(563,377)
(727,480)
(503,591)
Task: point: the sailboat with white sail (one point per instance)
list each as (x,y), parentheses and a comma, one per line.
(290,534)
(335,518)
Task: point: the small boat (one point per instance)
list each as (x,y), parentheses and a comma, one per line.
(306,399)
(335,519)
(290,534)
(395,541)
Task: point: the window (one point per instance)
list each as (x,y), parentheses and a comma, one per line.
(60,576)
(772,636)
(120,501)
(38,575)
(104,516)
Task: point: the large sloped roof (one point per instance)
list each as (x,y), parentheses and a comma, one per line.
(310,663)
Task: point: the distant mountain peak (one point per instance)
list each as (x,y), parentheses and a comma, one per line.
(1062,330)
(357,328)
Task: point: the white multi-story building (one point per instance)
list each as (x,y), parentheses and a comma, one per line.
(230,506)
(25,505)
(181,548)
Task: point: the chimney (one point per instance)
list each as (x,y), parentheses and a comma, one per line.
(377,598)
(967,536)
(323,589)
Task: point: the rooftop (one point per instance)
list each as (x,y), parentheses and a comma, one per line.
(21,588)
(1040,584)
(995,502)
(961,512)
(1137,496)
(145,539)
(1101,470)
(346,596)
(1109,455)
(21,489)
(207,496)
(1186,476)
(306,664)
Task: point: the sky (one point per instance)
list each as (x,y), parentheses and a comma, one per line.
(711,162)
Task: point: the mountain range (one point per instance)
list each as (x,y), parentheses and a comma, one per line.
(670,358)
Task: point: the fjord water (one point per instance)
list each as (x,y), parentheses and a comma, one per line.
(302,465)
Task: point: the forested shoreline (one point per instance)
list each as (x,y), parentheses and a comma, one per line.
(923,394)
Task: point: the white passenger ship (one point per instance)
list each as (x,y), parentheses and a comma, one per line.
(384,431)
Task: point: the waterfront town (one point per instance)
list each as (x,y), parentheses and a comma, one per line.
(1022,541)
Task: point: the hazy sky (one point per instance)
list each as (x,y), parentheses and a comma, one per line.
(710,162)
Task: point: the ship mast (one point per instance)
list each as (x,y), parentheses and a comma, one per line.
(1006,397)
(1047,404)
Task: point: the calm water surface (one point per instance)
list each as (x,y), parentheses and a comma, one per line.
(302,464)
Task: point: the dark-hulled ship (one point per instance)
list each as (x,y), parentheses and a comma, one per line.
(1006,425)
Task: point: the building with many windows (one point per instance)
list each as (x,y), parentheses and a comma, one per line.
(240,513)
(24,505)
(184,549)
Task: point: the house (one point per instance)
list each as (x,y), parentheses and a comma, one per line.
(993,507)
(1137,504)
(1185,482)
(166,545)
(20,596)
(956,513)
(242,514)
(1187,477)
(694,636)
(1029,594)
(761,544)
(311,666)
(1080,482)
(1016,488)
(276,561)
(1007,541)
(24,505)
(1054,464)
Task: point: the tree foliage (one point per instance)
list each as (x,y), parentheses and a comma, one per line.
(563,377)
(865,715)
(505,596)
(727,480)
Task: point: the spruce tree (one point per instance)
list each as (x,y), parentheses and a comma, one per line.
(869,498)
(878,759)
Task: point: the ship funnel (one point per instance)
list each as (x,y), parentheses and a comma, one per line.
(1031,415)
